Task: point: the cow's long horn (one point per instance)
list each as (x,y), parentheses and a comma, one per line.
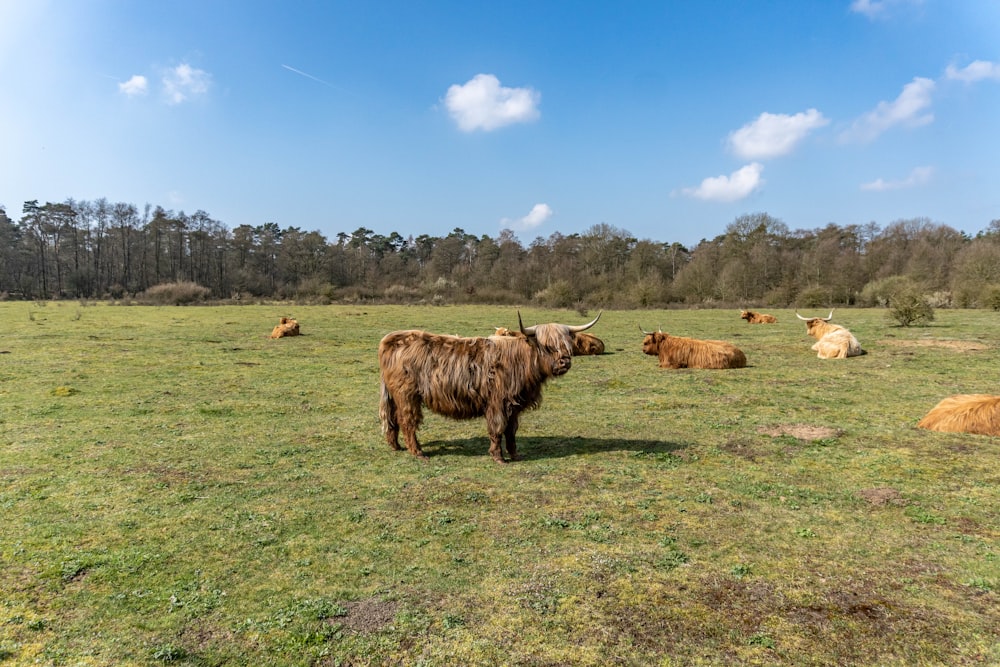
(584,327)
(828,317)
(645,333)
(800,317)
(529,331)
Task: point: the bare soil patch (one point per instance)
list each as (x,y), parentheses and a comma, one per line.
(367,616)
(800,431)
(882,495)
(957,345)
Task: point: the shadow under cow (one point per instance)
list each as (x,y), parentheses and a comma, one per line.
(551,447)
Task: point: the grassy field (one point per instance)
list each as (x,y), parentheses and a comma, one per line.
(176,488)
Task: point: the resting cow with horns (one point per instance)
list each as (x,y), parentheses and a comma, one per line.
(832,340)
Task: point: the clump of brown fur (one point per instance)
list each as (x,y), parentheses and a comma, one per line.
(286,327)
(680,352)
(758,318)
(496,377)
(965,413)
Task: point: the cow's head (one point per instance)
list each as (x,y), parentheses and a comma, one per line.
(814,323)
(651,342)
(746,315)
(554,343)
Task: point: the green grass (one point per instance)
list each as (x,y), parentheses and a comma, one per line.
(176,488)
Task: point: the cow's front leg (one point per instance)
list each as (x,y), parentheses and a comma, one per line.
(496,451)
(510,434)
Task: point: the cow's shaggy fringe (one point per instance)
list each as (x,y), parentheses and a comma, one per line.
(496,377)
(965,413)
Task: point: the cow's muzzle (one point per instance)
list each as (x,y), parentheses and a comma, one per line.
(562,365)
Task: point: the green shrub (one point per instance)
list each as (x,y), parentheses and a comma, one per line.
(174,294)
(884,291)
(991,297)
(814,297)
(910,307)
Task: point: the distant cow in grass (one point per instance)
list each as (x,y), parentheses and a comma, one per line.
(583,343)
(758,318)
(286,327)
(496,377)
(680,352)
(832,340)
(965,413)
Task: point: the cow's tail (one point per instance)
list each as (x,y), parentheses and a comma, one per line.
(387,410)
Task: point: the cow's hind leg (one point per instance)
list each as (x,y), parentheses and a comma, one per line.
(410,416)
(387,415)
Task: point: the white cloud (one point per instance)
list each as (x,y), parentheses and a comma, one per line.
(874,9)
(539,214)
(182,82)
(917,177)
(975,71)
(908,109)
(736,186)
(137,85)
(772,135)
(483,104)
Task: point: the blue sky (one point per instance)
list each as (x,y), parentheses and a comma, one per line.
(665,119)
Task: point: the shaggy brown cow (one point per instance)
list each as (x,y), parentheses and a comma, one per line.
(496,377)
(965,413)
(832,340)
(680,352)
(583,343)
(757,318)
(286,327)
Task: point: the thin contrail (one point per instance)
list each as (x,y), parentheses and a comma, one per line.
(316,79)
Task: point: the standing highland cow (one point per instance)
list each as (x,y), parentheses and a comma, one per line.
(680,352)
(832,340)
(496,377)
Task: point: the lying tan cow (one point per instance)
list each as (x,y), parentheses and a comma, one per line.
(965,413)
(286,327)
(680,352)
(758,318)
(832,340)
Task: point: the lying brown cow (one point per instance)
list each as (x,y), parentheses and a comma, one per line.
(758,318)
(680,352)
(286,327)
(583,343)
(965,413)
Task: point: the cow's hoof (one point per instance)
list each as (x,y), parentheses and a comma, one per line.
(500,459)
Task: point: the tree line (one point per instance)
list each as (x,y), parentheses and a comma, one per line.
(103,250)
